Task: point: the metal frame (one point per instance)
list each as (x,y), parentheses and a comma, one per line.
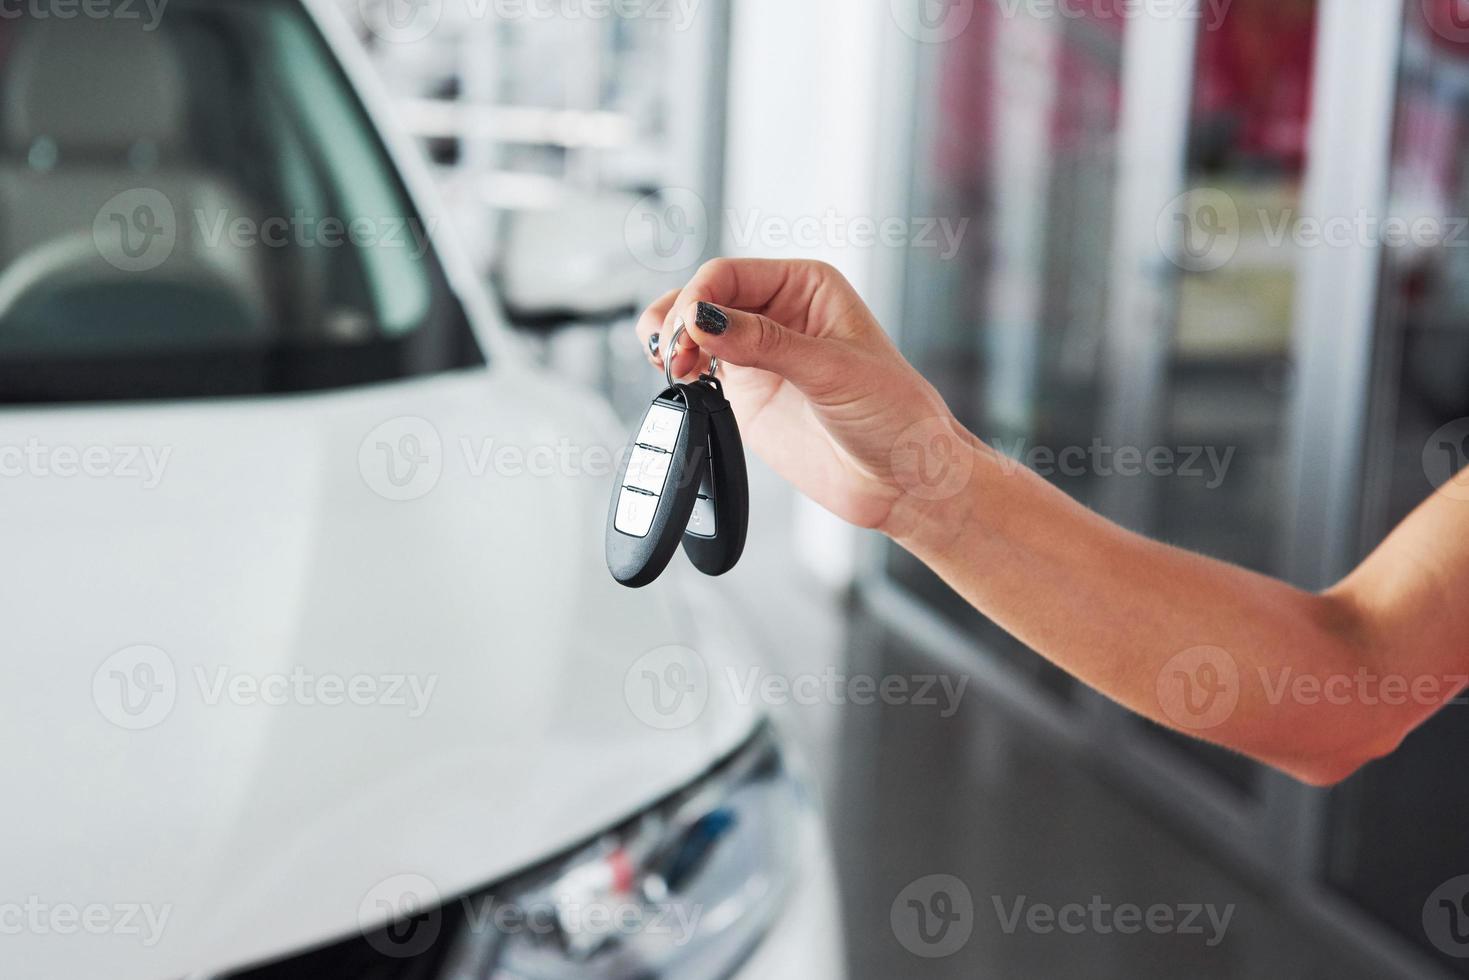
(1355,89)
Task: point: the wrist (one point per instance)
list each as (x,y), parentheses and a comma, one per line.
(938,494)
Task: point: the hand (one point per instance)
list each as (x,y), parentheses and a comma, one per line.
(821,393)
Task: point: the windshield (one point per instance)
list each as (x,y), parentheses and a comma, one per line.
(194,204)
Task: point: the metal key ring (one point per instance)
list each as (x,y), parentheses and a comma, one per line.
(673,352)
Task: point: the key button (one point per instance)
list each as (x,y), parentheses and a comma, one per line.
(660,428)
(635,512)
(648,470)
(703,524)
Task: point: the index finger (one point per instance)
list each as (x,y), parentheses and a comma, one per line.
(783,290)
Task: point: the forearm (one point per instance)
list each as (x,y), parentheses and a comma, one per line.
(1171,635)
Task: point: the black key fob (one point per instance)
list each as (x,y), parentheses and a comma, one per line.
(658,486)
(715,537)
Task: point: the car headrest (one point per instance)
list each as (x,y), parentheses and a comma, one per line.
(92,85)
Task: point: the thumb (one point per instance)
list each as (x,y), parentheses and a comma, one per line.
(756,341)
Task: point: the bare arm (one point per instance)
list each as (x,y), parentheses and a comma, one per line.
(1315,685)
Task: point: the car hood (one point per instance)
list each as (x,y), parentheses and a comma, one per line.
(253,674)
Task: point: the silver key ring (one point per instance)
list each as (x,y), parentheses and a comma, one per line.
(673,352)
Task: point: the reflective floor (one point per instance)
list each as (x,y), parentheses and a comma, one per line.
(1030,833)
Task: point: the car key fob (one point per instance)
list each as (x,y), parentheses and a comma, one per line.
(658,485)
(715,537)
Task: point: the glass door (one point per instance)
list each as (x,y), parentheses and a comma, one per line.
(1397,846)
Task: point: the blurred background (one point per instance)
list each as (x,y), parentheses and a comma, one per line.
(1110,224)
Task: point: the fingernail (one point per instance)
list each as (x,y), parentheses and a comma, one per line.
(653,345)
(711,319)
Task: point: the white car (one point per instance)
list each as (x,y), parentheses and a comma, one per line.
(313,664)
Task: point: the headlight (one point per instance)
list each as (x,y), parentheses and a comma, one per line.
(684,891)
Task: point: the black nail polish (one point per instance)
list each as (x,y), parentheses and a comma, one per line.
(711,319)
(653,345)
